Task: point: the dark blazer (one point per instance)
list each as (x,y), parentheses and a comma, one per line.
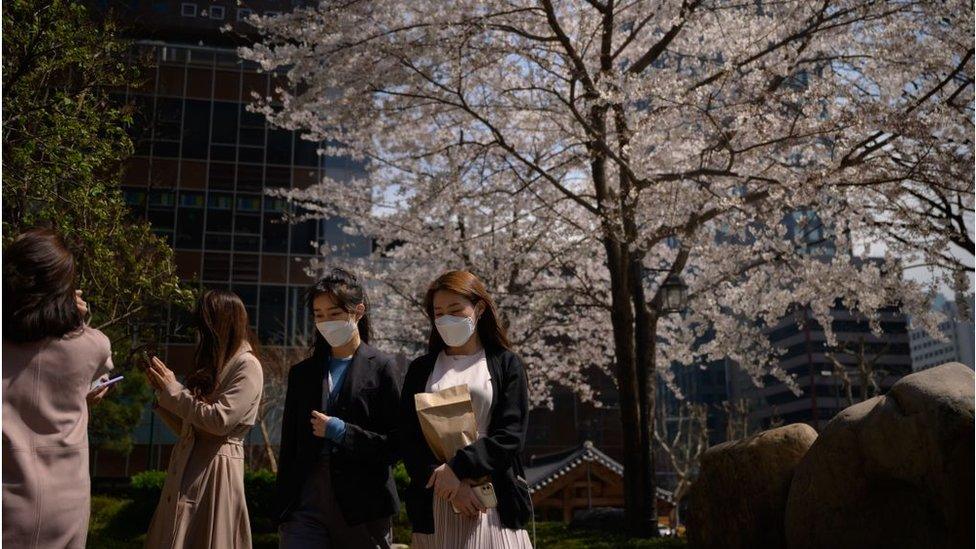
(368,402)
(498,455)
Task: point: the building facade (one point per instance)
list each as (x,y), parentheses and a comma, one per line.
(861,365)
(956,344)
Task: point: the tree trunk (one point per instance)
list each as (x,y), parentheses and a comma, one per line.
(645,339)
(622,319)
(268,448)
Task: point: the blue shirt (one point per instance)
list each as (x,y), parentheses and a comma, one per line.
(332,382)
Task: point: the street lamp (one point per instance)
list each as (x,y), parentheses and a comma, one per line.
(673,294)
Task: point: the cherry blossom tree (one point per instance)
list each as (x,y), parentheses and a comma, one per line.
(576,154)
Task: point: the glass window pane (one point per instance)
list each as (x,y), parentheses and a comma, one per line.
(221,176)
(161,219)
(246,267)
(277,177)
(217,241)
(247,243)
(162,199)
(303,237)
(249,178)
(247,224)
(225,122)
(249,295)
(166,149)
(191,199)
(248,203)
(274,237)
(169,116)
(189,228)
(279,147)
(271,314)
(216,266)
(219,221)
(196,128)
(305,154)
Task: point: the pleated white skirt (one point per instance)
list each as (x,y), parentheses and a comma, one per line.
(456,531)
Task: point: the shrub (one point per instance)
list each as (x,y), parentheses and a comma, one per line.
(259,489)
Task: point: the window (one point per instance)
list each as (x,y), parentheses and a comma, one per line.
(196,129)
(217,12)
(162,199)
(243,13)
(188,9)
(134,197)
(248,203)
(279,147)
(271,314)
(190,199)
(274,237)
(189,228)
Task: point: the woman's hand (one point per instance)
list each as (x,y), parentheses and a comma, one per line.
(467,501)
(445,482)
(96,396)
(159,375)
(319,420)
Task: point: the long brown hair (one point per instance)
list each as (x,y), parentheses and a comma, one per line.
(223,326)
(39,288)
(490,329)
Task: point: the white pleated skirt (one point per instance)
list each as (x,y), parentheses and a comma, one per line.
(456,531)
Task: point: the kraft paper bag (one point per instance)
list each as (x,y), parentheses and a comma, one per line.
(447,420)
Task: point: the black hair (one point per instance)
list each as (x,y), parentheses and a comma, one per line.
(348,292)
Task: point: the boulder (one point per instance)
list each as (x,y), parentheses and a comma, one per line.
(893,471)
(740,495)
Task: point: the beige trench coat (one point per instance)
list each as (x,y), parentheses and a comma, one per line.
(46,489)
(202,503)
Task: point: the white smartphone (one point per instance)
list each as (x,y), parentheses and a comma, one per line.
(106,383)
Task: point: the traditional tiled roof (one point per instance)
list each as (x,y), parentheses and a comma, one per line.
(546,469)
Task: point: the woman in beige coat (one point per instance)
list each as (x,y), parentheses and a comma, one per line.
(202,503)
(50,358)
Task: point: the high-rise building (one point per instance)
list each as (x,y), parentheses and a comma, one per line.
(870,364)
(956,344)
(200,172)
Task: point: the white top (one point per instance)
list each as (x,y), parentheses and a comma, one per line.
(453,370)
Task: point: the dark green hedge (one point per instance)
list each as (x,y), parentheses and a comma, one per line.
(259,488)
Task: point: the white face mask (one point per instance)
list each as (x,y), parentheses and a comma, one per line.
(455,330)
(337,332)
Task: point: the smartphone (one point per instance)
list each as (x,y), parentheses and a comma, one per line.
(106,383)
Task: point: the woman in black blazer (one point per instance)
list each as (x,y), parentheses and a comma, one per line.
(467,345)
(338,432)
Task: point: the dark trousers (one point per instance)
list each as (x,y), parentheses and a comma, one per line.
(318,523)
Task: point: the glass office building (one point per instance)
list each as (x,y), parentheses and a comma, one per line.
(201,169)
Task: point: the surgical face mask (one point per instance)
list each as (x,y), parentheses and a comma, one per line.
(337,332)
(455,330)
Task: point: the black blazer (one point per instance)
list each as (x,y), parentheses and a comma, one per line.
(368,402)
(498,455)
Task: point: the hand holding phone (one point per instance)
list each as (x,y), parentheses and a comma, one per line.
(108,382)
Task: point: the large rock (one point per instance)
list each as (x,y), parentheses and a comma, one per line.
(740,495)
(893,471)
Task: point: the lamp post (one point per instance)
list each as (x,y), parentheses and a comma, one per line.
(672,297)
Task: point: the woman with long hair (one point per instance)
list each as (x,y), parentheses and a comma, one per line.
(202,503)
(467,345)
(338,429)
(50,359)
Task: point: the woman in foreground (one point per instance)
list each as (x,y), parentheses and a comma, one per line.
(467,345)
